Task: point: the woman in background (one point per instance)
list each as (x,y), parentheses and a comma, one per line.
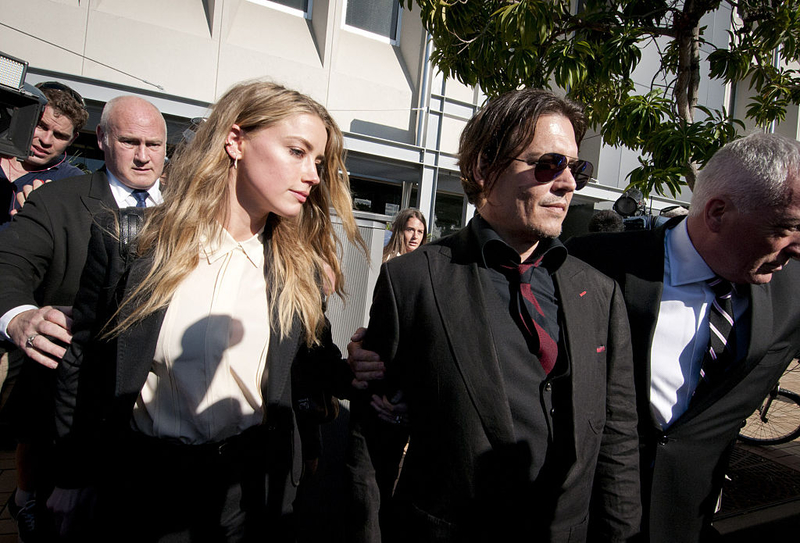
(409,231)
(174,401)
(372,472)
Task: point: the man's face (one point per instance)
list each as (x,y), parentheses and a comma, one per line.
(761,242)
(51,138)
(135,145)
(521,209)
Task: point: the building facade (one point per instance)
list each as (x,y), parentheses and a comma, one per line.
(367,61)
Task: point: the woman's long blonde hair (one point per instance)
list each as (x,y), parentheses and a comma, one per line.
(196,202)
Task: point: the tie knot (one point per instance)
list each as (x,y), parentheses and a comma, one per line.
(140,196)
(520,272)
(722,288)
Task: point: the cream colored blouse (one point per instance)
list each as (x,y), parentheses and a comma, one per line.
(205,383)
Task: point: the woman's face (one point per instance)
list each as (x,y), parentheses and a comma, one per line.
(413,233)
(278,165)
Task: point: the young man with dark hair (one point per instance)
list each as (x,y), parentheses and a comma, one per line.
(63,117)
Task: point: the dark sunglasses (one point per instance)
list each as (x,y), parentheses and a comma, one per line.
(55,85)
(550,165)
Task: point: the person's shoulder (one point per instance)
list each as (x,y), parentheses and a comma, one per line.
(574,265)
(409,260)
(616,251)
(64,187)
(441,248)
(65,171)
(601,241)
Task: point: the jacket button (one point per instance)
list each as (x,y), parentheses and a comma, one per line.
(553,411)
(548,387)
(663,440)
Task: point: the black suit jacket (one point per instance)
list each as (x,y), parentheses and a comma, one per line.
(684,466)
(428,322)
(43,250)
(100,378)
(42,253)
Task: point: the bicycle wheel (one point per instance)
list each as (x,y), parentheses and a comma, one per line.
(780,424)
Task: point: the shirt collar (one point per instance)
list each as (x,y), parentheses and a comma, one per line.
(221,244)
(121,192)
(684,263)
(494,251)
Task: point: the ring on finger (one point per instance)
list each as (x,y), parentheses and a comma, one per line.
(29,341)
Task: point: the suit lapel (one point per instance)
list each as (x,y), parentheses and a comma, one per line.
(282,351)
(100,195)
(569,291)
(280,356)
(643,297)
(760,324)
(473,349)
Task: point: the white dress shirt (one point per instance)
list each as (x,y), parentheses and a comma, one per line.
(123,194)
(681,333)
(205,382)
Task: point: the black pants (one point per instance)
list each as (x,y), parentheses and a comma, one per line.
(373,464)
(169,492)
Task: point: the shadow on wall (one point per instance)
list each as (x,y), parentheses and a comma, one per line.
(376,130)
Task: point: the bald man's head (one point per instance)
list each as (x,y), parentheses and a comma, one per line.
(133,135)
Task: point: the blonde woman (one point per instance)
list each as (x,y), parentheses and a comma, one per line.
(409,231)
(176,391)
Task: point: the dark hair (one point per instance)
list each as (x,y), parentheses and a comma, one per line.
(395,245)
(64,103)
(606,220)
(502,129)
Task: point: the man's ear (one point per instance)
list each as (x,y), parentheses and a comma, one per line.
(101,136)
(233,142)
(714,213)
(477,173)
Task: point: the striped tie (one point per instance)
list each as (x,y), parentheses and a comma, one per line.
(547,350)
(722,339)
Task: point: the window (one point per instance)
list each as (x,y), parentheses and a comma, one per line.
(374,17)
(447,215)
(375,196)
(295,7)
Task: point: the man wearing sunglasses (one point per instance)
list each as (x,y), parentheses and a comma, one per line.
(513,358)
(742,231)
(63,117)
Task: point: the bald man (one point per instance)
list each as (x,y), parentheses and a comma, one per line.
(42,253)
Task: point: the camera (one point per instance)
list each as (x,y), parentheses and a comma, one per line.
(21,107)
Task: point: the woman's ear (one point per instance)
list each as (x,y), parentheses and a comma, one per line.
(233,142)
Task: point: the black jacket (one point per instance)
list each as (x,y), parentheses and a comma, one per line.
(428,323)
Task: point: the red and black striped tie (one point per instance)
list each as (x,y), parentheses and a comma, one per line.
(548,348)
